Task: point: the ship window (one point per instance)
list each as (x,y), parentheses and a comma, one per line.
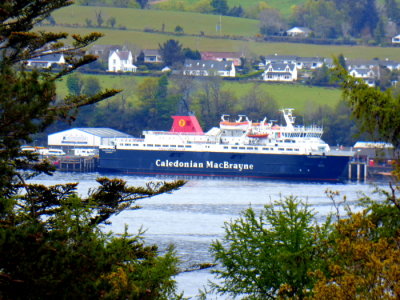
(150,145)
(180,146)
(296,149)
(289,149)
(188,146)
(281,149)
(174,146)
(255,148)
(165,145)
(135,144)
(242,148)
(249,148)
(225,147)
(265,148)
(234,147)
(127,144)
(158,145)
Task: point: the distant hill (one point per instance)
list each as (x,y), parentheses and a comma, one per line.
(143,29)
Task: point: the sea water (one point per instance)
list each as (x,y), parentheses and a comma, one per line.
(193,216)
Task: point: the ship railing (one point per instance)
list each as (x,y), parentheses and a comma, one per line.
(128,140)
(172,133)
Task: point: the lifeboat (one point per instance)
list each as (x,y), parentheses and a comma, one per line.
(227,123)
(257,135)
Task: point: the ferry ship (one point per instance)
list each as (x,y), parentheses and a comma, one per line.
(238,148)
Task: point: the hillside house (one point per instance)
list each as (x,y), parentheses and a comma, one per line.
(223,56)
(299,32)
(284,72)
(152,56)
(121,61)
(362,64)
(209,68)
(396,39)
(310,63)
(46,61)
(390,64)
(367,75)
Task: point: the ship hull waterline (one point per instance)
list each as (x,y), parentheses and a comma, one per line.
(224,164)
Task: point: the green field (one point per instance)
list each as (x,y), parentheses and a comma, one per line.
(296,96)
(284,6)
(137,19)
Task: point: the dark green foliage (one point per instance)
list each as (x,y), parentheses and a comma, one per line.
(53,248)
(364,17)
(220,7)
(270,253)
(393,11)
(171,52)
(179,29)
(236,11)
(51,241)
(376,110)
(342,61)
(191,54)
(142,3)
(321,76)
(75,84)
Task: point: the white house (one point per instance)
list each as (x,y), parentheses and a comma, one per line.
(121,61)
(299,32)
(396,39)
(310,63)
(367,75)
(280,72)
(46,60)
(209,68)
(84,138)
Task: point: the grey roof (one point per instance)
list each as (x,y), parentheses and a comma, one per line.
(150,52)
(388,62)
(310,59)
(47,58)
(103,132)
(207,65)
(280,67)
(362,62)
(123,55)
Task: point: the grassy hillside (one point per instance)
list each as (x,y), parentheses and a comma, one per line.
(136,19)
(284,6)
(286,95)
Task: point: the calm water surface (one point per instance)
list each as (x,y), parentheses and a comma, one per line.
(193,216)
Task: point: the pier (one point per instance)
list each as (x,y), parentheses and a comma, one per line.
(358,170)
(76,163)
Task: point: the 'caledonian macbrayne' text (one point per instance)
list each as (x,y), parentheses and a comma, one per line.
(206,164)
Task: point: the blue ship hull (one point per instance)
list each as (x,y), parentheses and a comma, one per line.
(252,165)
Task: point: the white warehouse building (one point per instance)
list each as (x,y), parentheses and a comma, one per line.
(84,138)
